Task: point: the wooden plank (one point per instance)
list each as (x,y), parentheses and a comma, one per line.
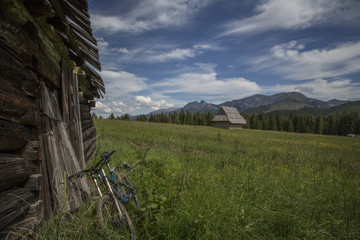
(82,33)
(12,136)
(90,59)
(95,78)
(61,160)
(45,193)
(78,144)
(65,73)
(88,48)
(87,45)
(82,6)
(14,171)
(80,24)
(78,20)
(72,10)
(14,204)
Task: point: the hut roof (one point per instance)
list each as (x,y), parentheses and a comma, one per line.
(229,114)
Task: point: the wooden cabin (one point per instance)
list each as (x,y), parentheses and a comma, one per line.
(228,118)
(48,85)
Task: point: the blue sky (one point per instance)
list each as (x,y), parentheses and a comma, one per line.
(165,53)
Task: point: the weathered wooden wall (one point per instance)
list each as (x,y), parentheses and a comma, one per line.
(45,134)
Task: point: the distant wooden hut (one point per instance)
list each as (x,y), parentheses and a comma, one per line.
(229,118)
(48,85)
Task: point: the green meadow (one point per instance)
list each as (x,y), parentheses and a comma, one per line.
(200,182)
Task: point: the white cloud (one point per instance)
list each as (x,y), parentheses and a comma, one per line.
(149,15)
(121,82)
(147,102)
(294,14)
(177,54)
(206,84)
(323,89)
(291,60)
(104,107)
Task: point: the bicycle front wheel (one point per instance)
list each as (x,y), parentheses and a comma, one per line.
(110,218)
(122,178)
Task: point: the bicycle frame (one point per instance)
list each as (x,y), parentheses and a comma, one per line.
(102,177)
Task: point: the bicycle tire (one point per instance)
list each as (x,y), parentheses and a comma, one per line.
(121,177)
(109,217)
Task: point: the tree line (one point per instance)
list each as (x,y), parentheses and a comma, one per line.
(333,124)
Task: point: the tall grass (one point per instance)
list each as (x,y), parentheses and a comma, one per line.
(207,183)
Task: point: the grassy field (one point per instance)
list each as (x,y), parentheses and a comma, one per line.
(206,183)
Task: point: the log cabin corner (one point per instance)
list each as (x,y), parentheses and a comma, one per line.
(48,85)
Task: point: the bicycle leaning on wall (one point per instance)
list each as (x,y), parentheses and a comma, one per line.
(110,211)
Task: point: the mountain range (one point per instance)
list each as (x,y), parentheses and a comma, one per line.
(286,101)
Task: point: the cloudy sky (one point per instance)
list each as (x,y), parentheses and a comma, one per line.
(165,53)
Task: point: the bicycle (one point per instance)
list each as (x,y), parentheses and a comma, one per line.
(110,211)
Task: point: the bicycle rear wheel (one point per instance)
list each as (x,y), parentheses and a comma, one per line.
(122,178)
(109,216)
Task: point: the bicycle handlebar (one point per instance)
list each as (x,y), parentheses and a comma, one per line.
(105,156)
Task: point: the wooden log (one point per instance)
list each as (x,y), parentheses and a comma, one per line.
(31,151)
(17,44)
(86,116)
(92,103)
(13,101)
(78,60)
(12,136)
(30,87)
(89,142)
(30,119)
(14,204)
(86,124)
(60,25)
(33,184)
(84,108)
(27,224)
(90,151)
(89,133)
(39,8)
(14,171)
